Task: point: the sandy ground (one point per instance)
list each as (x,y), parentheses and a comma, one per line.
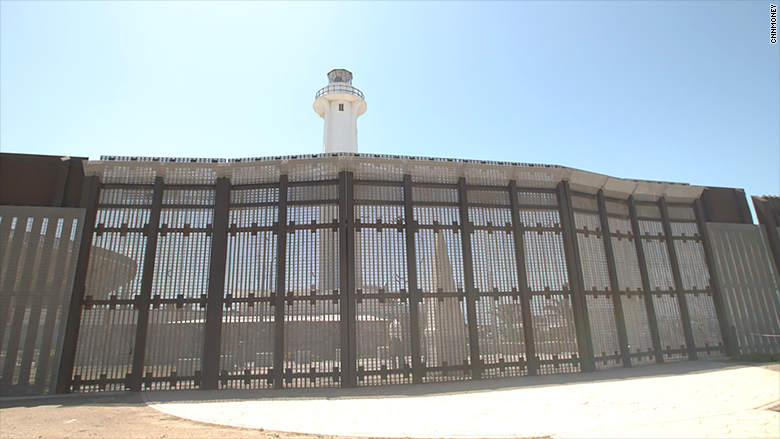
(110,416)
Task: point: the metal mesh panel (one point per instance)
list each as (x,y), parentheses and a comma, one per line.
(439,251)
(595,275)
(684,229)
(248,329)
(310,170)
(537,198)
(247,345)
(667,311)
(704,323)
(38,248)
(126,196)
(197,174)
(501,342)
(444,343)
(174,346)
(681,213)
(614,208)
(629,279)
(387,170)
(312,344)
(693,265)
(499,319)
(254,195)
(544,253)
(748,282)
(554,333)
(640,343)
(312,249)
(440,278)
(584,202)
(495,268)
(383,341)
(382,248)
(601,314)
(189,196)
(109,315)
(626,262)
(648,211)
(659,269)
(251,266)
(432,194)
(253,174)
(433,174)
(498,197)
(379,193)
(383,322)
(489,175)
(306,193)
(128,174)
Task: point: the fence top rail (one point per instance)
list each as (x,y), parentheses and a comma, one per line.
(379,167)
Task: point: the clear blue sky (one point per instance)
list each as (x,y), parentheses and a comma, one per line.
(675,91)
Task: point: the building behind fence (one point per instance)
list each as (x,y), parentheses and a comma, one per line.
(353,269)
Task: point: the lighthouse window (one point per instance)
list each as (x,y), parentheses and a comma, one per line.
(341,107)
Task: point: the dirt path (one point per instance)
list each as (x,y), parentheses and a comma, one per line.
(110,416)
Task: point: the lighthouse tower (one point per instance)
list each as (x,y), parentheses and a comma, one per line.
(340,104)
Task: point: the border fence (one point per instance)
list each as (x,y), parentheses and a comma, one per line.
(347,272)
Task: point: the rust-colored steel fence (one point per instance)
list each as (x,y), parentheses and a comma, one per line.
(333,272)
(353,282)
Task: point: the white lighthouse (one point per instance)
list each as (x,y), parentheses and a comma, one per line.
(340,104)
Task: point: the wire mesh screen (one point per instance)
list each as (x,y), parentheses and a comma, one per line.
(312,345)
(554,333)
(693,266)
(109,314)
(670,327)
(499,314)
(640,342)
(659,269)
(595,277)
(383,323)
(248,330)
(174,346)
(502,346)
(544,253)
(704,323)
(601,315)
(38,248)
(444,334)
(629,279)
(553,326)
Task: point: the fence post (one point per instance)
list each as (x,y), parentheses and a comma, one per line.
(574,268)
(518,233)
(685,315)
(468,280)
(617,303)
(418,369)
(89,200)
(213,332)
(145,294)
(281,286)
(652,320)
(347,279)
